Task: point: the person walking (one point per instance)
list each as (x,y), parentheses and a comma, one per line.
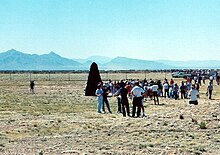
(32,84)
(210,89)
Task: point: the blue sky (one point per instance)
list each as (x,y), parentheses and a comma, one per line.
(144,29)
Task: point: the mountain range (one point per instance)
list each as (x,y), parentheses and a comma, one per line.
(15,60)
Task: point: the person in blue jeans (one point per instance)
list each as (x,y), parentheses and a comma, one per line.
(99,94)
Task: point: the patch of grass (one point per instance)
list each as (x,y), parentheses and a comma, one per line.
(41,153)
(165,123)
(142,146)
(151,145)
(202,125)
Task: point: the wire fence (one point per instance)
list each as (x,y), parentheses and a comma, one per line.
(83,76)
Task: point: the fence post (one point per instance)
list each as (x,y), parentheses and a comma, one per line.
(49,76)
(69,76)
(145,72)
(30,76)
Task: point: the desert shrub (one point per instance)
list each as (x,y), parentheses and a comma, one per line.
(41,153)
(181,117)
(202,125)
(142,146)
(151,145)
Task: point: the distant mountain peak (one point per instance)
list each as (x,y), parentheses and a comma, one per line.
(13,51)
(98,59)
(15,60)
(54,54)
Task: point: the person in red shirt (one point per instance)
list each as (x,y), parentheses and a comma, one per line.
(128,87)
(171,82)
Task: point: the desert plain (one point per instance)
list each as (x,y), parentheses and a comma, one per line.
(59,119)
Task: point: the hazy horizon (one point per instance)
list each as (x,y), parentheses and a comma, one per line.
(108,57)
(140,29)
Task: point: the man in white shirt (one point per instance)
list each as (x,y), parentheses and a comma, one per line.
(155,93)
(166,89)
(137,93)
(193,93)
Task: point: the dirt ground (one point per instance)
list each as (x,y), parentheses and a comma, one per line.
(59,119)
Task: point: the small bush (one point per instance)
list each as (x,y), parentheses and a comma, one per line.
(41,153)
(151,145)
(181,117)
(142,146)
(202,125)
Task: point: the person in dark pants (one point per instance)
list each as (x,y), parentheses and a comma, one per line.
(155,93)
(160,88)
(119,104)
(183,90)
(166,89)
(137,93)
(123,92)
(32,84)
(209,90)
(176,91)
(105,99)
(193,93)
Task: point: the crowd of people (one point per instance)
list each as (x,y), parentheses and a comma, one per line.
(139,91)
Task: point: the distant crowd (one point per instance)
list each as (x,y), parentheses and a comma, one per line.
(139,91)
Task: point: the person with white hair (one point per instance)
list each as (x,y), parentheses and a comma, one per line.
(211,78)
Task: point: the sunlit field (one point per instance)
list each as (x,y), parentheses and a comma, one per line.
(59,119)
